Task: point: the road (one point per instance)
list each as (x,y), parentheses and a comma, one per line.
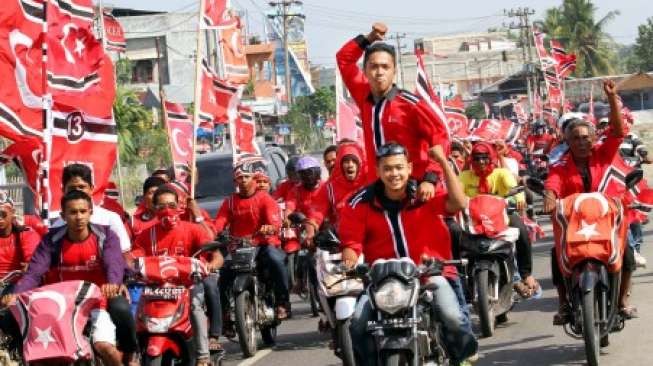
(529,338)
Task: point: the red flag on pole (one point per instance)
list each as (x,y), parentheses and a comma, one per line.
(115,34)
(424,89)
(217,97)
(243,134)
(565,63)
(217,16)
(235,62)
(180,136)
(494,129)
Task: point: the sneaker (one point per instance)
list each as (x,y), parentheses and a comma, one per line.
(640,260)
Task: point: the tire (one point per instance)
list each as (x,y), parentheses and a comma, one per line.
(153,361)
(269,335)
(290,266)
(503,318)
(591,331)
(394,359)
(605,340)
(344,343)
(485,312)
(313,298)
(245,324)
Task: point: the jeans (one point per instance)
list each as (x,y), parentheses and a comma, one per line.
(199,321)
(523,247)
(213,305)
(120,312)
(635,236)
(457,334)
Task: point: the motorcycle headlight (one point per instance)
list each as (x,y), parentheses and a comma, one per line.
(392,296)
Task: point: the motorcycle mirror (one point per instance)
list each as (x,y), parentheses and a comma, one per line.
(515,191)
(633,178)
(214,245)
(535,185)
(362,269)
(296,218)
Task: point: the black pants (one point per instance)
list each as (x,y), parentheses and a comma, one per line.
(213,305)
(524,250)
(120,312)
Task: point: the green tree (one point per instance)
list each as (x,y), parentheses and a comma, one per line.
(305,113)
(475,111)
(574,24)
(641,59)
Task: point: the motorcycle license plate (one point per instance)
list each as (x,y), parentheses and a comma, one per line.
(164,293)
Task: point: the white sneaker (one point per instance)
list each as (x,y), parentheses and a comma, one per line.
(640,260)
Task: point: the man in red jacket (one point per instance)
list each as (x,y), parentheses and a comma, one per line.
(17,243)
(348,176)
(145,215)
(254,214)
(385,220)
(389,113)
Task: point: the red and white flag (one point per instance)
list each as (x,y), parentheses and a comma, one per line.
(494,129)
(218,97)
(180,135)
(115,34)
(457,120)
(243,134)
(565,63)
(233,52)
(348,122)
(424,89)
(217,14)
(27,155)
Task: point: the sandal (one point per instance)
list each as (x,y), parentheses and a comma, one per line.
(628,312)
(203,362)
(522,290)
(282,312)
(214,345)
(562,316)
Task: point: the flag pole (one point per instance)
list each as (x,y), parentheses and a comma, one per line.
(46,195)
(198,97)
(104,48)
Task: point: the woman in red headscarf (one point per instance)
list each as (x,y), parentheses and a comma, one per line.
(485,177)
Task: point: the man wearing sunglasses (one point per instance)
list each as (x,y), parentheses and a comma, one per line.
(172,236)
(385,220)
(389,113)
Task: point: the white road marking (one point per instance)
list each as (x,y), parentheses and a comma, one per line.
(258,356)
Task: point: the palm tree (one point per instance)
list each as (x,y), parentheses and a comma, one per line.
(131,120)
(573,24)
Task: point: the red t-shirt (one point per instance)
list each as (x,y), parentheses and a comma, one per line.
(413,231)
(80,261)
(281,193)
(12,256)
(246,215)
(303,200)
(184,240)
(564,178)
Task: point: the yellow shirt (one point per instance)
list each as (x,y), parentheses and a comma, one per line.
(500,182)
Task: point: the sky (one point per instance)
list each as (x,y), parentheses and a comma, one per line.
(330,23)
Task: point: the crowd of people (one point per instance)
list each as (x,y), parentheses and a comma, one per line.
(394,195)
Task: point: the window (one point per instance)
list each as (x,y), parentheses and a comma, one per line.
(143,71)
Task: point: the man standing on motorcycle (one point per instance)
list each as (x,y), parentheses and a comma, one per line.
(71,252)
(385,220)
(250,213)
(484,177)
(580,170)
(172,236)
(389,113)
(347,177)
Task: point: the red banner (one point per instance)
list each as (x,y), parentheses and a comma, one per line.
(218,97)
(233,52)
(243,134)
(494,129)
(217,14)
(180,134)
(115,34)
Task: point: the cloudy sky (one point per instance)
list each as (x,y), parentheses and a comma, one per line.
(330,23)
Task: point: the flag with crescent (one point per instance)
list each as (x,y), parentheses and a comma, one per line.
(217,14)
(233,52)
(180,134)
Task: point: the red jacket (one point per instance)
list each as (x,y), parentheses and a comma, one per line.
(302,200)
(564,178)
(414,230)
(333,195)
(401,116)
(283,189)
(246,215)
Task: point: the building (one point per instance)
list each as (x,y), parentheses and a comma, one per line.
(465,63)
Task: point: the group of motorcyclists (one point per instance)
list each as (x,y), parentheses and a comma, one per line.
(394,196)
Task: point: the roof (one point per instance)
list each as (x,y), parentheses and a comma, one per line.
(639,81)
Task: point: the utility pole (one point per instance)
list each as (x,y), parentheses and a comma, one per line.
(398,37)
(283,7)
(524,26)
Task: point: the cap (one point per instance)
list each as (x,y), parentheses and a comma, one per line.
(307,162)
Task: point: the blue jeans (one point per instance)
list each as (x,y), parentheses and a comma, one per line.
(635,236)
(457,334)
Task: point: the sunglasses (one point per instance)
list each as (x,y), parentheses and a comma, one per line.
(390,150)
(480,158)
(163,206)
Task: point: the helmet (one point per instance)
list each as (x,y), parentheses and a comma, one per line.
(291,164)
(306,163)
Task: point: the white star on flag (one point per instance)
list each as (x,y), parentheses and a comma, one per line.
(587,230)
(44,337)
(79,46)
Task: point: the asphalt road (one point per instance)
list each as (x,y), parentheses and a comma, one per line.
(529,338)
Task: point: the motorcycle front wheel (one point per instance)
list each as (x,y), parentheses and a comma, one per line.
(591,329)
(395,359)
(245,324)
(290,267)
(344,343)
(485,311)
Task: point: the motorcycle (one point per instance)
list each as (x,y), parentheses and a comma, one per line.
(405,326)
(291,244)
(9,352)
(163,317)
(489,246)
(252,295)
(590,260)
(301,267)
(338,291)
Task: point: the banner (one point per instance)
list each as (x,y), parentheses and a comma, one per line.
(217,14)
(218,96)
(243,135)
(494,129)
(424,89)
(233,52)
(180,136)
(457,120)
(115,34)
